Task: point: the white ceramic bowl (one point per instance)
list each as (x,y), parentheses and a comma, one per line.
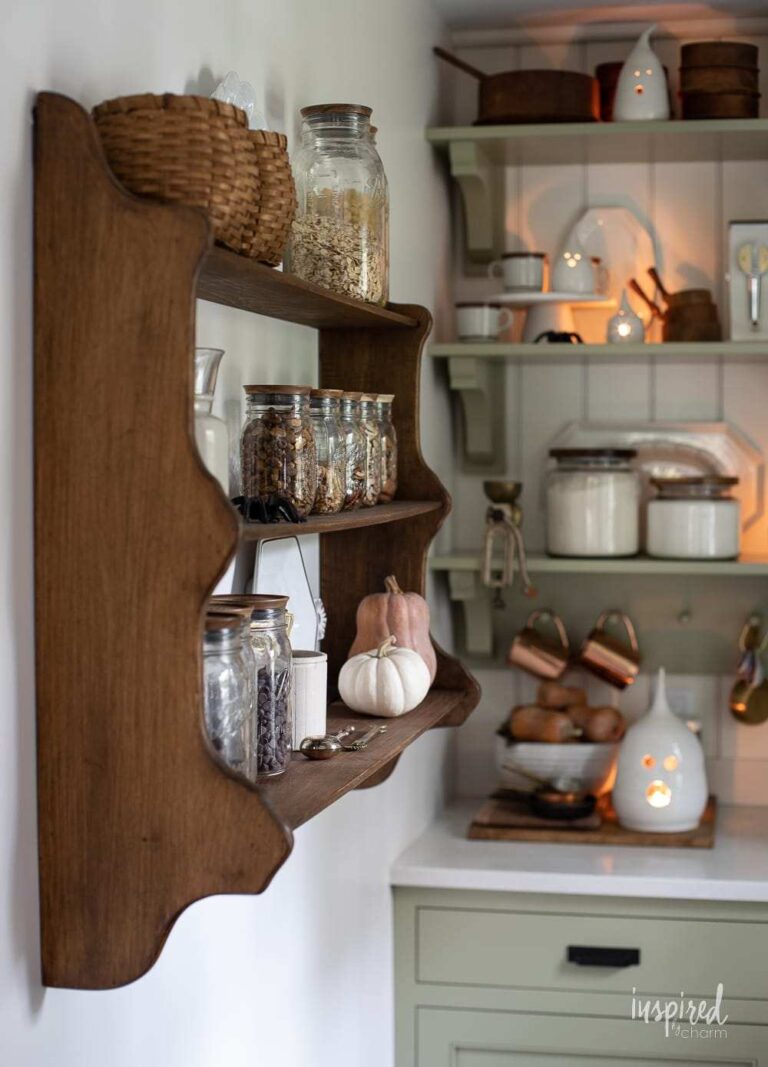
(592,765)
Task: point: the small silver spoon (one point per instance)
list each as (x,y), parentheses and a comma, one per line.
(362,742)
(325,746)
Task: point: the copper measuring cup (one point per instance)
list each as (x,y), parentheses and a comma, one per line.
(535,652)
(609,658)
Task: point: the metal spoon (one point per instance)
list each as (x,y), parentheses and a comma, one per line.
(363,742)
(325,746)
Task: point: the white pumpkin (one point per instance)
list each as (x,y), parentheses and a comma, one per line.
(386,681)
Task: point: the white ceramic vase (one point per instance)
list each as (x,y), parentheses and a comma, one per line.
(573,271)
(641,91)
(661,780)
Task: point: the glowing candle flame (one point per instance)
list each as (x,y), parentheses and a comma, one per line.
(658,794)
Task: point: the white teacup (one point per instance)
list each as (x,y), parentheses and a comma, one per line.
(523,272)
(481,322)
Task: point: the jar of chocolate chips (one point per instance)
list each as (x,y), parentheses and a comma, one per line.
(354,451)
(272,674)
(388,447)
(324,409)
(372,436)
(277,449)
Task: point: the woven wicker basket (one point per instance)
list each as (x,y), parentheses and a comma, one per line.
(266,233)
(188,149)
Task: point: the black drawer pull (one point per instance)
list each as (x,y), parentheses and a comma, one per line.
(595,956)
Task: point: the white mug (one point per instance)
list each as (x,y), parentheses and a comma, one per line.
(523,272)
(481,322)
(310,698)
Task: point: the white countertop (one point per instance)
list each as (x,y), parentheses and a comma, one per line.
(735,869)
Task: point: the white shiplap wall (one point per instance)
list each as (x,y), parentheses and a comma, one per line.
(689,207)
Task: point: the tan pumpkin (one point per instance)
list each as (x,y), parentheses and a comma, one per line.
(404,615)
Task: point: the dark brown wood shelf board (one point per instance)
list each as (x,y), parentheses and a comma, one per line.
(308,787)
(239,282)
(347,520)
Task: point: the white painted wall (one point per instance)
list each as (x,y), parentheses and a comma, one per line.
(302,975)
(688,206)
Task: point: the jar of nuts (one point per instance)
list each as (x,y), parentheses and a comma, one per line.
(388,447)
(354,451)
(340,236)
(372,436)
(277,448)
(324,410)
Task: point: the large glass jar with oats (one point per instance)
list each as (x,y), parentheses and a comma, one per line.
(369,424)
(331,468)
(277,449)
(340,236)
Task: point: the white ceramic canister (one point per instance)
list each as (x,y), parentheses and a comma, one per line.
(694,518)
(593,503)
(481,322)
(310,697)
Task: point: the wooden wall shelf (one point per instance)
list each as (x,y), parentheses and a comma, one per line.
(137,818)
(397,511)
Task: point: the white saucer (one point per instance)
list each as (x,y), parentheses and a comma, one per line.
(524,300)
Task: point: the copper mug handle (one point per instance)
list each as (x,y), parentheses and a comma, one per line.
(535,653)
(605,657)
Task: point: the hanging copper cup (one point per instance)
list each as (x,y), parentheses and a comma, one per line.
(538,653)
(615,661)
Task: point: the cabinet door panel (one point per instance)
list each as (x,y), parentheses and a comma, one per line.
(449,1038)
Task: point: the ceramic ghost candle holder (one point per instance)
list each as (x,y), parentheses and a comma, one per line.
(641,91)
(661,781)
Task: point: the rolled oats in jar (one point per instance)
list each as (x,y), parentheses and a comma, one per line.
(324,409)
(388,447)
(278,455)
(354,451)
(372,436)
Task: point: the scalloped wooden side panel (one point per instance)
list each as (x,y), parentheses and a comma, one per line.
(136,819)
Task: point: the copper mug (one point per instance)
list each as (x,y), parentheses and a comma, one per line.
(607,656)
(535,652)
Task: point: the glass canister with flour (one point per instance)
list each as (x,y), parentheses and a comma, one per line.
(694,518)
(593,503)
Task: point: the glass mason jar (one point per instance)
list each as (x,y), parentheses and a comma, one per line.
(228,690)
(340,236)
(388,447)
(593,503)
(274,686)
(324,410)
(372,437)
(211,433)
(694,518)
(354,451)
(277,447)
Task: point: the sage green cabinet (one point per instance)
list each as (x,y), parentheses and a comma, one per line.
(484,980)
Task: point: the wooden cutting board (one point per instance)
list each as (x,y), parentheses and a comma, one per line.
(507,817)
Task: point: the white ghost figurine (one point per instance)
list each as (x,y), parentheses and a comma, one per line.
(641,91)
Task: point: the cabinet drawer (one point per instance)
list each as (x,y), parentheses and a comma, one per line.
(500,1039)
(529,950)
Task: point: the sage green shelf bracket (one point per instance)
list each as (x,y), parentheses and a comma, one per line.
(480,185)
(479,384)
(466,589)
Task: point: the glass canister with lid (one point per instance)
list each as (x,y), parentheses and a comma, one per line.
(371,431)
(388,437)
(270,748)
(694,518)
(228,690)
(324,409)
(277,448)
(340,236)
(354,451)
(593,503)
